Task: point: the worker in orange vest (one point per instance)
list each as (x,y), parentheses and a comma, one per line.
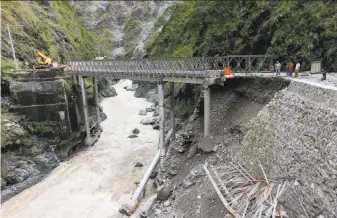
(290,68)
(227,70)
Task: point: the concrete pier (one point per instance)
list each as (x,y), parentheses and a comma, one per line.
(161,124)
(207,110)
(88,139)
(98,115)
(172,103)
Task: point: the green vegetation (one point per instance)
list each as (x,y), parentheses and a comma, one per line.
(132,30)
(7,69)
(42,129)
(51,26)
(89,88)
(300,30)
(160,22)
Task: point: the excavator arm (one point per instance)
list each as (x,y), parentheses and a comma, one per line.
(42,59)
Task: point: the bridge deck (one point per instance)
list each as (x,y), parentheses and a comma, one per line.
(199,70)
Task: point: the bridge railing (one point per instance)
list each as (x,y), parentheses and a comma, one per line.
(193,66)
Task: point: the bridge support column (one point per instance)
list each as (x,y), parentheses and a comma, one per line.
(98,115)
(75,79)
(207,110)
(161,124)
(88,139)
(172,102)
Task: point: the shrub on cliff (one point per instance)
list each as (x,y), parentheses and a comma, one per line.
(302,30)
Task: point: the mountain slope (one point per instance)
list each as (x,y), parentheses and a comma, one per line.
(51,26)
(300,30)
(124,28)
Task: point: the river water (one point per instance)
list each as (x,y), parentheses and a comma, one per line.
(95,181)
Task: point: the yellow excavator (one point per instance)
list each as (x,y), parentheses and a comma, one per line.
(44,63)
(42,60)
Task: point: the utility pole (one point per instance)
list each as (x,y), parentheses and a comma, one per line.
(12,45)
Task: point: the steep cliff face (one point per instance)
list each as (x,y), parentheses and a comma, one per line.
(124,28)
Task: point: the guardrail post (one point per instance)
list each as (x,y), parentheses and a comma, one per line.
(207,110)
(172,102)
(98,115)
(88,139)
(161,124)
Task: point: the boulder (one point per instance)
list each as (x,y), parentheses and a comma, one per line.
(135,131)
(103,116)
(153,175)
(149,109)
(156,113)
(142,112)
(127,88)
(193,176)
(156,125)
(163,193)
(138,164)
(173,172)
(149,120)
(108,92)
(143,88)
(167,203)
(132,136)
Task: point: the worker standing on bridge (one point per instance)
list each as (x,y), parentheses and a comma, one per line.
(290,68)
(278,68)
(297,69)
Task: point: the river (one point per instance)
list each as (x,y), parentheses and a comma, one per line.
(95,181)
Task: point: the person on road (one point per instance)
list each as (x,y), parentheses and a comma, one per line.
(297,69)
(290,68)
(278,68)
(324,76)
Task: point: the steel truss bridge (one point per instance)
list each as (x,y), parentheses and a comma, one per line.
(189,70)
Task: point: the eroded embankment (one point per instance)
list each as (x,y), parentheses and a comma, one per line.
(290,128)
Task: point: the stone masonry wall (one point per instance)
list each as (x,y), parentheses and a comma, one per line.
(295,134)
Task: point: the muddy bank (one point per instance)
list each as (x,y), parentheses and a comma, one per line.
(289,127)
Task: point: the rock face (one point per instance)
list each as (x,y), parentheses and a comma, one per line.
(25,158)
(45,128)
(108,92)
(124,28)
(146,90)
(106,89)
